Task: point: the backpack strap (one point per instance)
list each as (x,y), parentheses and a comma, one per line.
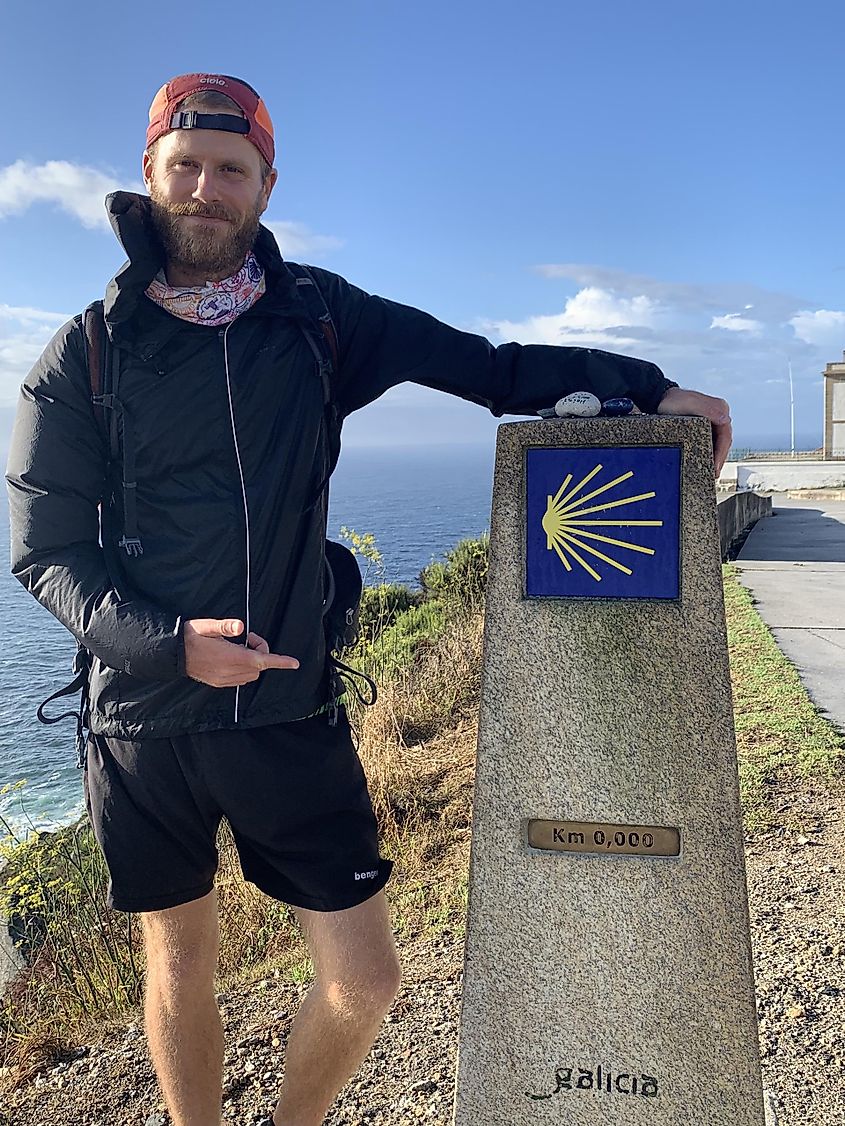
(321,334)
(103,362)
(81,667)
(320,314)
(94,329)
(104,376)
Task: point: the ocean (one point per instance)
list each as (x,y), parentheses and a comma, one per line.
(417,502)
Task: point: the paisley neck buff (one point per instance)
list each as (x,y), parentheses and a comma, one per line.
(215,303)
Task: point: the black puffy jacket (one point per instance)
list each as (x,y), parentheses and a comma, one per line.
(228,440)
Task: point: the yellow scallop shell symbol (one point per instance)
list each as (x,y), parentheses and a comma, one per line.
(567,526)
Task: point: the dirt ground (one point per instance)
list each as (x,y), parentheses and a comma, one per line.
(797,899)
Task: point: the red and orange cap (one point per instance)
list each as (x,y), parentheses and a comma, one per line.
(255,125)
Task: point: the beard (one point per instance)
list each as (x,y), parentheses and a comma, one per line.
(215,251)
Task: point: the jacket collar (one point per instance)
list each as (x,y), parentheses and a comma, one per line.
(129,215)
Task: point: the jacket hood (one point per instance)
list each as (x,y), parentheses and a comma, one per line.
(131,220)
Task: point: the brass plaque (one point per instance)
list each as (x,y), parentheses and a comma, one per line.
(615,840)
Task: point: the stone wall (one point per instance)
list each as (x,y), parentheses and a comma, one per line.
(738,513)
(781,476)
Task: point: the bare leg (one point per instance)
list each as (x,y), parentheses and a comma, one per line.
(181,1017)
(356,978)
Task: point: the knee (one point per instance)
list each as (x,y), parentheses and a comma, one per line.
(372,989)
(178,978)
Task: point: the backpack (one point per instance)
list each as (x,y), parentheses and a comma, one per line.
(344,584)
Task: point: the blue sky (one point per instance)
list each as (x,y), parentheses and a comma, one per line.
(659,179)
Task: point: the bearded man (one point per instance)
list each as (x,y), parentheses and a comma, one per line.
(212,531)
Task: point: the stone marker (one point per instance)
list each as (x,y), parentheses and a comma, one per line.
(608,969)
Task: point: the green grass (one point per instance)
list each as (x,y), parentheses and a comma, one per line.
(781,735)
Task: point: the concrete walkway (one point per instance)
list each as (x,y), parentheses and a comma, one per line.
(794,565)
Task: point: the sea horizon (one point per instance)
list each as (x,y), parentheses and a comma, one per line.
(416,501)
(416,506)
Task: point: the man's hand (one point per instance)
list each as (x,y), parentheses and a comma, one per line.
(678,401)
(212,660)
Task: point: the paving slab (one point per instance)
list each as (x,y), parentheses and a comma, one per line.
(794,565)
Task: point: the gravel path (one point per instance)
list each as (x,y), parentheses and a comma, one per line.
(796,880)
(798,920)
(407,1078)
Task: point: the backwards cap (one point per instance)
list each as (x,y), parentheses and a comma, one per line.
(255,125)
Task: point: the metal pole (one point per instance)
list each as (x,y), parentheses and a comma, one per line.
(791,411)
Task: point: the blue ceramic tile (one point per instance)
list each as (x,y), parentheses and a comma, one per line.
(603,523)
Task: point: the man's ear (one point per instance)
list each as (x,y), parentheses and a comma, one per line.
(147,169)
(269,183)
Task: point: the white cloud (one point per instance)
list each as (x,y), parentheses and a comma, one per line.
(80,191)
(74,188)
(673,323)
(769,305)
(592,316)
(297,241)
(736,322)
(29,316)
(824,328)
(593,308)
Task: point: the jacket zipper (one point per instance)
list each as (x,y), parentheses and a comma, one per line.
(224,336)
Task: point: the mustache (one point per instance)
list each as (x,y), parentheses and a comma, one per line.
(202,210)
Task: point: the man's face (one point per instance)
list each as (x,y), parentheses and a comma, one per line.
(207,195)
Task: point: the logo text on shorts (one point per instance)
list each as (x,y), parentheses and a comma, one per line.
(365,875)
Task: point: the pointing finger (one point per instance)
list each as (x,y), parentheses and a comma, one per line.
(275,661)
(263,661)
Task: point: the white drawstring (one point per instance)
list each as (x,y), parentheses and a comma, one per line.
(243,493)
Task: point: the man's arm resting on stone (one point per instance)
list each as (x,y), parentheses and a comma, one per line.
(384,343)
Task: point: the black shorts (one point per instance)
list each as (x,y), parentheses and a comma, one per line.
(294,794)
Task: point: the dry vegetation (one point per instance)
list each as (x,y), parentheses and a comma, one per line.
(417,745)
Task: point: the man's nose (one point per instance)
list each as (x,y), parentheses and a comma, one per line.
(207,186)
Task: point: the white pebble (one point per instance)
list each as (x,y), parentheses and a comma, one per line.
(581,404)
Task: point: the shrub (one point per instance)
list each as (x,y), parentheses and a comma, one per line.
(381,606)
(460,581)
(80,954)
(397,645)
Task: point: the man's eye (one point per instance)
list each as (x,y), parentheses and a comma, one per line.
(231,168)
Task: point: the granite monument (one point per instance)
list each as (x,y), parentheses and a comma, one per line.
(608,972)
